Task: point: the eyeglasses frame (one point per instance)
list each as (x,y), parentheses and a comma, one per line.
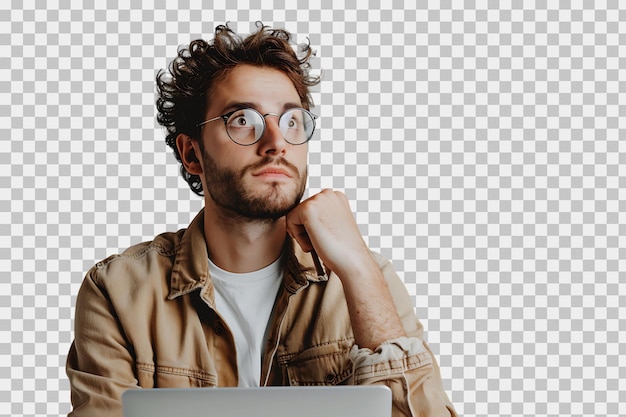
(227,116)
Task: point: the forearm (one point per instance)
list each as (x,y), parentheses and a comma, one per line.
(373,314)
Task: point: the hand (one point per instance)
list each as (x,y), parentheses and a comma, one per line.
(325,223)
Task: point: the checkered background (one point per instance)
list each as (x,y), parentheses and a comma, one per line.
(482,144)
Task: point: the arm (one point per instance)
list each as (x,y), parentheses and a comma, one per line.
(389,347)
(99,365)
(325,223)
(406,365)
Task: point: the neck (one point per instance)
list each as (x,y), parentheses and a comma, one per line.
(238,244)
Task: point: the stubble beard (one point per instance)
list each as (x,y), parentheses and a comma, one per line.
(227,189)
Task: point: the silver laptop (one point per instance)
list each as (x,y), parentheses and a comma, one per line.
(341,401)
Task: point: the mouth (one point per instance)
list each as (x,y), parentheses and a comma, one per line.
(272,172)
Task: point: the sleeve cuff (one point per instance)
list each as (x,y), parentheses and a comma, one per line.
(392,350)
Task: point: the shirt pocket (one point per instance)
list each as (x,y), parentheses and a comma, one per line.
(159,376)
(320,365)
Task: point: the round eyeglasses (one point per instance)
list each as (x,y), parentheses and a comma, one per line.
(246,126)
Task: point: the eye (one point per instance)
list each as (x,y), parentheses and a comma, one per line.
(294,119)
(242,119)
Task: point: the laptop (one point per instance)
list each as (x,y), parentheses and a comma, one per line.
(340,401)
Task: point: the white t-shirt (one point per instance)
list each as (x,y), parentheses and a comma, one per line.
(245,302)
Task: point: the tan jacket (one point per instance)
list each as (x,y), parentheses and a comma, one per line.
(146,318)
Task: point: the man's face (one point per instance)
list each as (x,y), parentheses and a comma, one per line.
(264,180)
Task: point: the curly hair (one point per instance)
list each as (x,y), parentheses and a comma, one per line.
(184,89)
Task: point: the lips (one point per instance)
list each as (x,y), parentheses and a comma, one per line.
(269,171)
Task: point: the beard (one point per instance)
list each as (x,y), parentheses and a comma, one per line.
(227,189)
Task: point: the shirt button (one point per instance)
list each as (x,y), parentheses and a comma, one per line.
(330,378)
(219,330)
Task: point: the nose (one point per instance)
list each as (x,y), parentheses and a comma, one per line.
(272,141)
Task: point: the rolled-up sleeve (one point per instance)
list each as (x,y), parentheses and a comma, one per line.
(407,366)
(397,355)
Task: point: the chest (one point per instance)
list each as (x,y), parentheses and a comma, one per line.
(308,341)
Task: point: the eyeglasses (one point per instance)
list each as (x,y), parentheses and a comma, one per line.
(246,126)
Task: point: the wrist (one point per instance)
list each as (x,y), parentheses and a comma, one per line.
(360,270)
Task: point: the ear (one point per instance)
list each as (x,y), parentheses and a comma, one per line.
(189,151)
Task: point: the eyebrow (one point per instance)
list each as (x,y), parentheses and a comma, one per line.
(248,104)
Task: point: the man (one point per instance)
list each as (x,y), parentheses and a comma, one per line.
(260,289)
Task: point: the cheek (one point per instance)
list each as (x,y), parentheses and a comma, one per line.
(224,154)
(300,158)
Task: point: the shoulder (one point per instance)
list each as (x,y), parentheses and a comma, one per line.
(140,260)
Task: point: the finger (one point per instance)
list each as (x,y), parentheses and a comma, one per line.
(299,234)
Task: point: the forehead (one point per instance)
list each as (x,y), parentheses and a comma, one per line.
(267,88)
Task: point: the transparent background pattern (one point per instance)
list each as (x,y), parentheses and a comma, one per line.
(482,145)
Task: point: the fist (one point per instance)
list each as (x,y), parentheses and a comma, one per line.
(325,223)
